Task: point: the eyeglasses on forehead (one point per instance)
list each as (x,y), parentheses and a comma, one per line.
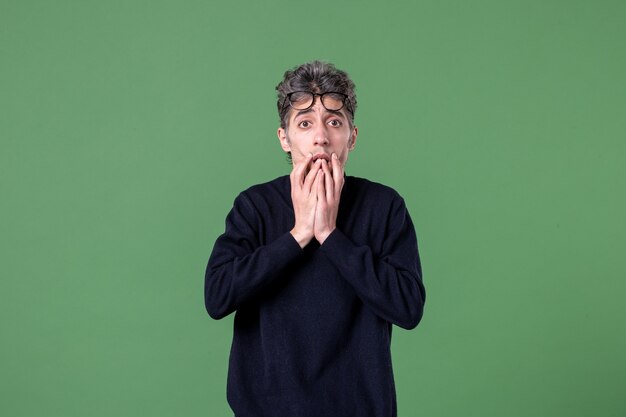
(303,100)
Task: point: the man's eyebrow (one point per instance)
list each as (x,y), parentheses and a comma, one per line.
(310,109)
(301,112)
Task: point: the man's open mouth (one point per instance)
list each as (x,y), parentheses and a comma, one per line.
(320,156)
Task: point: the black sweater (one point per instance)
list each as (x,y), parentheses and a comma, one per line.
(312,330)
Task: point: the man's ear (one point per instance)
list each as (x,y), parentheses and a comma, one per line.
(284,141)
(352,141)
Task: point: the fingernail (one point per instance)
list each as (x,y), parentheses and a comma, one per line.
(334,155)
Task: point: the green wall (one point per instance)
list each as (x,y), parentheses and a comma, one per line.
(127,128)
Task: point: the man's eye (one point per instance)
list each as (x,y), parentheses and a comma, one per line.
(304,123)
(335,123)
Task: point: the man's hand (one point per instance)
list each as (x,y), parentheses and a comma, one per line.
(328,193)
(304,198)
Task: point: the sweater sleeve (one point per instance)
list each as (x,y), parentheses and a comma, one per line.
(389,283)
(239,265)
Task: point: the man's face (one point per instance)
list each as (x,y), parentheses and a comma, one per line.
(318,131)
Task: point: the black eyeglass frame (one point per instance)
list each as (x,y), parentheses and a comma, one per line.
(344,103)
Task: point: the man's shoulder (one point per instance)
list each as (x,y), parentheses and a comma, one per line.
(265,193)
(372,189)
(277,185)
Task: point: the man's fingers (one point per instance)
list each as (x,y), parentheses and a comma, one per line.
(300,169)
(328,181)
(319,186)
(337,174)
(311,176)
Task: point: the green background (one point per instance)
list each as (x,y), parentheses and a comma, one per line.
(128,128)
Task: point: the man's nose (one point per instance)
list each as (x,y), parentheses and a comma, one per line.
(321,135)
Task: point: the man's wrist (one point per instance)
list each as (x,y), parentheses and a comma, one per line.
(321,237)
(303,239)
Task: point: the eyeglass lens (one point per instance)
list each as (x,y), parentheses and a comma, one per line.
(303,100)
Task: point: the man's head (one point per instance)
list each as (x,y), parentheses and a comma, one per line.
(316,104)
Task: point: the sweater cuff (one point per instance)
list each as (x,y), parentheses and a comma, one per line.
(337,246)
(288,246)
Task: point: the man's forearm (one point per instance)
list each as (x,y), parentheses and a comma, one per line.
(391,285)
(231,280)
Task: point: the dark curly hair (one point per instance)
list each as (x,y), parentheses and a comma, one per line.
(316,77)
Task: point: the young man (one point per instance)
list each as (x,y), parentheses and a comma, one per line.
(317,266)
